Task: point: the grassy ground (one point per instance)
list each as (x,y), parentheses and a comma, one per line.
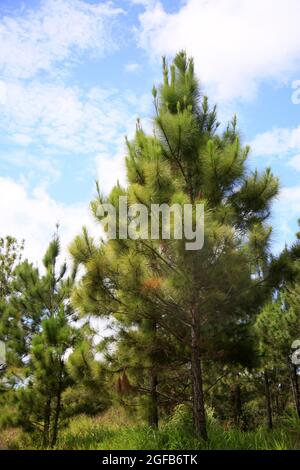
(114,430)
(10,438)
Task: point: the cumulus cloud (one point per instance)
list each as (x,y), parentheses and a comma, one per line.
(236,44)
(110,170)
(282,143)
(277,142)
(45,117)
(33,216)
(66,118)
(45,170)
(2,92)
(132,67)
(286,214)
(290,200)
(295,163)
(57,32)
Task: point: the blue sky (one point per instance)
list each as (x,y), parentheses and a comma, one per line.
(75,75)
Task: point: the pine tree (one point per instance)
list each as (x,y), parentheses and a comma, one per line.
(140,345)
(40,334)
(278,321)
(146,364)
(277,326)
(10,256)
(199,296)
(89,391)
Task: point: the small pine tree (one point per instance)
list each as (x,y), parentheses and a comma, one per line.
(40,333)
(10,257)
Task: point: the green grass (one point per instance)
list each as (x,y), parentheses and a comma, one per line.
(109,433)
(114,430)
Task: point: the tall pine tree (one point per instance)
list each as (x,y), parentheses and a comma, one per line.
(200,297)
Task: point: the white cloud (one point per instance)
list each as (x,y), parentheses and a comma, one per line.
(282,143)
(131,68)
(43,113)
(286,214)
(110,170)
(295,163)
(45,170)
(22,139)
(33,217)
(68,119)
(290,200)
(143,2)
(2,92)
(43,117)
(56,32)
(236,44)
(277,142)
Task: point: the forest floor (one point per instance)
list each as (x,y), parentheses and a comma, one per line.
(114,430)
(9,437)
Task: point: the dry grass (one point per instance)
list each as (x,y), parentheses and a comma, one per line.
(9,437)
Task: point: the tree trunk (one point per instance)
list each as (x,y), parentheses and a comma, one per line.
(153,414)
(296,389)
(197,384)
(47,416)
(268,400)
(153,406)
(277,405)
(57,408)
(237,404)
(56,418)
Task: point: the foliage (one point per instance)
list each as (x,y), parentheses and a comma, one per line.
(202,299)
(192,348)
